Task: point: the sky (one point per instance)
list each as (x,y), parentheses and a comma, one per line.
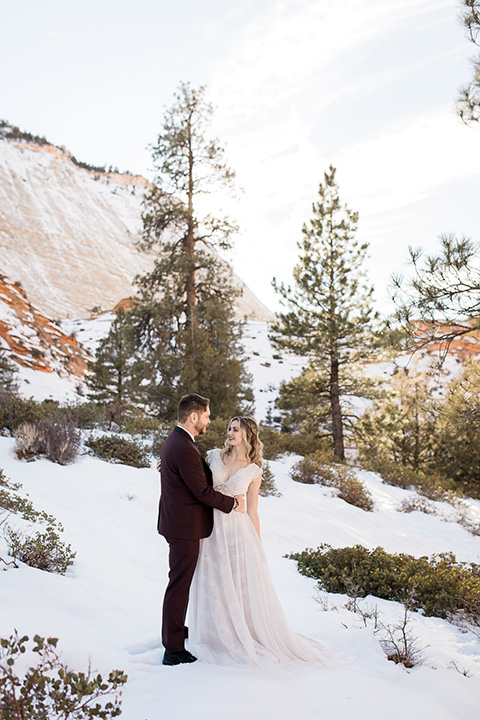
(298,85)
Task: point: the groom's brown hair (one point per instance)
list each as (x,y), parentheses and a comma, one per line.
(191,403)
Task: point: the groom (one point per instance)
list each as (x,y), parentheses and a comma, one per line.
(185,515)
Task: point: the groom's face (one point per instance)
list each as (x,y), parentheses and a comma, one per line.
(203,421)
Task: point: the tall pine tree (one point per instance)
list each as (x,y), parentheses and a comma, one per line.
(329,320)
(186,334)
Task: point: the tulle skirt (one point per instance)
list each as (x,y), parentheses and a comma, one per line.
(234,613)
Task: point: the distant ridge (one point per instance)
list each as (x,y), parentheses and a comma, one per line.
(68,229)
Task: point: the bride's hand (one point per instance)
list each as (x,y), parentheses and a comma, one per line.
(241,503)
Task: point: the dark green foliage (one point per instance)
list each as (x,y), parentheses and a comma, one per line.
(8,373)
(440,586)
(84,414)
(110,377)
(320,468)
(279,442)
(457,445)
(267,486)
(414,439)
(15,410)
(12,502)
(329,321)
(48,689)
(44,551)
(116,448)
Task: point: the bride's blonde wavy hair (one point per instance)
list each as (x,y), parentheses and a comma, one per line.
(254,445)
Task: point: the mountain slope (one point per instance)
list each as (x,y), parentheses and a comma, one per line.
(68,233)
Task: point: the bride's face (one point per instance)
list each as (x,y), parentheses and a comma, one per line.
(235,434)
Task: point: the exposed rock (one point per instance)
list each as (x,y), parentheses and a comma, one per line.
(34,340)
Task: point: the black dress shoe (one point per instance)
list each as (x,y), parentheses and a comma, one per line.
(177,658)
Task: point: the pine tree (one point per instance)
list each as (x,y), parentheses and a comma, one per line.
(468,102)
(439,300)
(401,427)
(110,377)
(457,448)
(187,337)
(8,373)
(329,321)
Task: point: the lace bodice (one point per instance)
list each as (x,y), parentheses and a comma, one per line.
(236,484)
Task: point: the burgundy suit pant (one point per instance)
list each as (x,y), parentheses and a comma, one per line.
(183,560)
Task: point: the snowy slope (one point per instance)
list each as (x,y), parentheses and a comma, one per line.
(107,608)
(68,234)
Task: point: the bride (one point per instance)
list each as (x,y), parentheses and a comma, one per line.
(235,615)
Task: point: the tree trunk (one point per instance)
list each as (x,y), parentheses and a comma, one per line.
(337,424)
(190,287)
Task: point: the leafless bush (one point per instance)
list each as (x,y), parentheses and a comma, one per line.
(62,442)
(399,644)
(463,671)
(58,441)
(30,440)
(354,604)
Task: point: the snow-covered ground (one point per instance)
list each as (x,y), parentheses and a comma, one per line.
(107,608)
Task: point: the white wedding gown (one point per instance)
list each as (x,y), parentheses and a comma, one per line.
(234,613)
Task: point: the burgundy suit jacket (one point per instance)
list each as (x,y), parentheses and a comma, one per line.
(187,497)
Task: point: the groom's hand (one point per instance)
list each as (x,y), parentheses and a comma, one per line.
(241,503)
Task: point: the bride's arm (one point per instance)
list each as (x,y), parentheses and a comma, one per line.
(252,503)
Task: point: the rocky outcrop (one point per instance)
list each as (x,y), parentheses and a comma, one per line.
(68,232)
(33,340)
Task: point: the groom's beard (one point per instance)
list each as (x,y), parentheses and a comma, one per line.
(200,428)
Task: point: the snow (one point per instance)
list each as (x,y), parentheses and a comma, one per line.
(107,609)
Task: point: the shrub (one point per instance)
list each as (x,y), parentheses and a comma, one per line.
(431,485)
(62,441)
(267,486)
(84,414)
(116,448)
(30,440)
(11,502)
(138,423)
(440,586)
(15,410)
(409,505)
(44,551)
(49,689)
(319,468)
(278,442)
(59,442)
(399,643)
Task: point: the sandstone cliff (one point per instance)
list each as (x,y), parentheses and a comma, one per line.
(67,233)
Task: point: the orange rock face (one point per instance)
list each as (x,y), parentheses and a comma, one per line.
(35,341)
